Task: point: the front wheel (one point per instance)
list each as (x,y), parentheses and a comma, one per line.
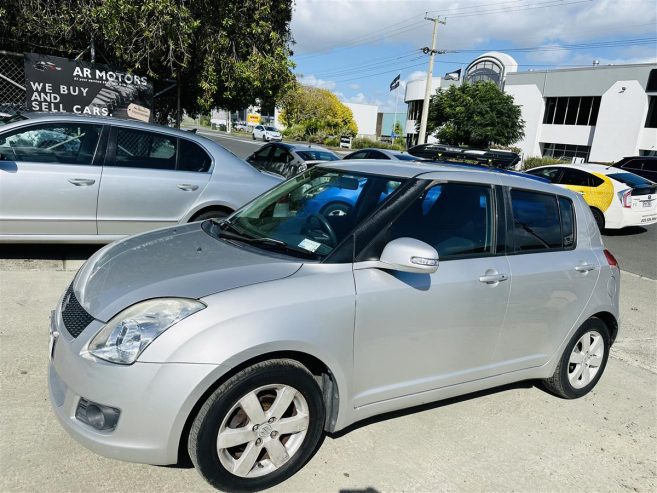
(583,361)
(258,428)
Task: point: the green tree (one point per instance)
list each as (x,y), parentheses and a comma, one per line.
(477,115)
(308,111)
(224,53)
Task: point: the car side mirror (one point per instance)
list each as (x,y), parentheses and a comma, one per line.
(409,255)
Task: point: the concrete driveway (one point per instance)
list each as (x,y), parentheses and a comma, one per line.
(515,438)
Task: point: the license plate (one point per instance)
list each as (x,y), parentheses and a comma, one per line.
(53,336)
(647,203)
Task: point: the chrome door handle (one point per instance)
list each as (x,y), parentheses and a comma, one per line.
(187,187)
(81,182)
(493,278)
(584,267)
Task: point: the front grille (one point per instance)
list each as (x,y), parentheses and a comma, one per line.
(74,316)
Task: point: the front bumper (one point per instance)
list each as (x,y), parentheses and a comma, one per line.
(154,399)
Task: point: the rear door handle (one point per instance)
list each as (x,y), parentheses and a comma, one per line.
(187,187)
(493,278)
(81,182)
(584,267)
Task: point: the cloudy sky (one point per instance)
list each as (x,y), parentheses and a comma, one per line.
(356,47)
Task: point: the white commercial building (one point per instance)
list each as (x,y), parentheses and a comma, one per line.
(596,113)
(365,116)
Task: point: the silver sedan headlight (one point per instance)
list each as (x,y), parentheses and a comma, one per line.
(124,337)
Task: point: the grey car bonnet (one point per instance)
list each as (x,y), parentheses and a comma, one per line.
(173,262)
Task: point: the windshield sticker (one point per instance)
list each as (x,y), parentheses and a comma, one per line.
(309,245)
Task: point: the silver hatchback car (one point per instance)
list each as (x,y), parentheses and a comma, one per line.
(67,178)
(241,341)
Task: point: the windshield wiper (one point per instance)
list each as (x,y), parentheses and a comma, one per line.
(533,233)
(230,232)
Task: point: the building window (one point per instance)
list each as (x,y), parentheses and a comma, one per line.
(651,119)
(415,110)
(565,151)
(483,71)
(572,110)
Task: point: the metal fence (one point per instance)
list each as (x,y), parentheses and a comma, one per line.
(12,83)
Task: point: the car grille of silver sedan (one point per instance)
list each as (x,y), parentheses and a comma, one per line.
(75,318)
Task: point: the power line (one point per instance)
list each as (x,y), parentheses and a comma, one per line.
(388,61)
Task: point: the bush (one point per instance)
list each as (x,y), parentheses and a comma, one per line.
(534,162)
(295,132)
(332,142)
(362,143)
(317,138)
(204,120)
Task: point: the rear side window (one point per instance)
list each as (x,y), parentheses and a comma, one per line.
(191,157)
(377,155)
(59,143)
(536,221)
(579,178)
(139,149)
(357,155)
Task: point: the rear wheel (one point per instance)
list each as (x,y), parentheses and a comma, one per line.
(258,428)
(583,361)
(599,218)
(215,213)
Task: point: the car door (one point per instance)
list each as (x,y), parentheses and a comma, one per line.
(554,274)
(597,189)
(150,180)
(49,179)
(417,332)
(261,158)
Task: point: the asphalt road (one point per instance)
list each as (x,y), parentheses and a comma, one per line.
(634,248)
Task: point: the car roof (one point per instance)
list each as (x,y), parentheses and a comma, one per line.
(603,169)
(33,116)
(302,147)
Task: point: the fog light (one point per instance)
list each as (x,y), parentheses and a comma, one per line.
(97,415)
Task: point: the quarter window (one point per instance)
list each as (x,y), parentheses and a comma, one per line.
(59,143)
(139,149)
(455,218)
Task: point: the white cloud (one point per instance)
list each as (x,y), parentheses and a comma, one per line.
(311,80)
(354,86)
(417,75)
(319,25)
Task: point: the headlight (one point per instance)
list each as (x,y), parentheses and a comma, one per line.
(124,337)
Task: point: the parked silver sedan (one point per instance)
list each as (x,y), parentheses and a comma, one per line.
(242,341)
(67,178)
(372,153)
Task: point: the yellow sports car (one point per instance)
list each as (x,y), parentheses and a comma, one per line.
(617,197)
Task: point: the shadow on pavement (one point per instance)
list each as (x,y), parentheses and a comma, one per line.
(629,231)
(47,252)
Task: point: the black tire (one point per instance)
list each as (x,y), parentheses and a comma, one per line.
(559,383)
(599,218)
(253,136)
(264,139)
(202,442)
(216,213)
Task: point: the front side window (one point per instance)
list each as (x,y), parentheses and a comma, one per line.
(357,155)
(309,215)
(140,149)
(551,174)
(60,143)
(455,218)
(536,222)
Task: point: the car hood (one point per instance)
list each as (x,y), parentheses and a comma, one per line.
(181,261)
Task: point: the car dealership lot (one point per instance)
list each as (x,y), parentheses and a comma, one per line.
(514,438)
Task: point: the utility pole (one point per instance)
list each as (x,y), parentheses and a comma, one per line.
(427,92)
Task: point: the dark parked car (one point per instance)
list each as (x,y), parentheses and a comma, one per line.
(645,166)
(289,160)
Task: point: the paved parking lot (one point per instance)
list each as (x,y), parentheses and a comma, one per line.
(515,438)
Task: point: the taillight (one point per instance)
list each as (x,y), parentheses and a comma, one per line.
(626,198)
(611,260)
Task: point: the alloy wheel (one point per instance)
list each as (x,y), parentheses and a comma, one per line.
(585,359)
(263,430)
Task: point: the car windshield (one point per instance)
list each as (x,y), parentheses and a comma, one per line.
(309,215)
(270,129)
(315,155)
(631,180)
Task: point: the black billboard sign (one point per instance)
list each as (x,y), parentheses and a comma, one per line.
(60,84)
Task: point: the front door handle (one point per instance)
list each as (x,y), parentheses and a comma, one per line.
(584,267)
(186,187)
(493,278)
(81,182)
